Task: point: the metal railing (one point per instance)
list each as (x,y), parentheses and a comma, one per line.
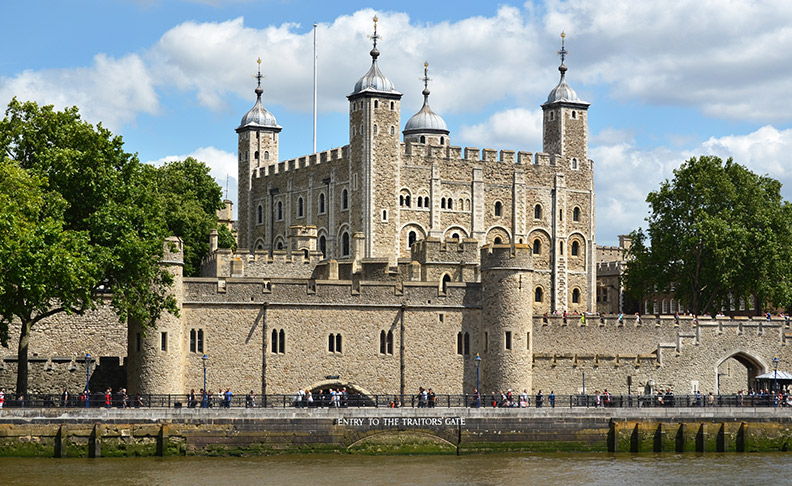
(396,401)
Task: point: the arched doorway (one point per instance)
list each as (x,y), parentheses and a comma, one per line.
(349,395)
(737,372)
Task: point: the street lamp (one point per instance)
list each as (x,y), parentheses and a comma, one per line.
(205,394)
(478,392)
(87,379)
(775,380)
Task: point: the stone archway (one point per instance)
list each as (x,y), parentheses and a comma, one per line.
(355,395)
(737,371)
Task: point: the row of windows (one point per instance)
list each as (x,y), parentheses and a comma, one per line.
(574,250)
(463,342)
(321,207)
(358,105)
(539,295)
(538,213)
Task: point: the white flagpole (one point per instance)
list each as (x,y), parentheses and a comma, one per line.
(314,93)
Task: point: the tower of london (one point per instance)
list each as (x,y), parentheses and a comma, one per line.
(401,260)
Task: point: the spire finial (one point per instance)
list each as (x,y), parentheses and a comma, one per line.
(563,53)
(426,80)
(374,37)
(258,76)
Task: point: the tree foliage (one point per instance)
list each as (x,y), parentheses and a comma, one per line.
(190,198)
(78,220)
(717,233)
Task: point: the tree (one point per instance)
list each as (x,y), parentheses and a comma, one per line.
(717,233)
(190,198)
(85,224)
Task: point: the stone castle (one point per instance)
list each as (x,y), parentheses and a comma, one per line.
(389,264)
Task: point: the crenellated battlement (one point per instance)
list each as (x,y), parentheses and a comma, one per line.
(518,257)
(328,156)
(435,250)
(474,154)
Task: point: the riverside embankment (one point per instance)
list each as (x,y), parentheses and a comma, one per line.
(57,432)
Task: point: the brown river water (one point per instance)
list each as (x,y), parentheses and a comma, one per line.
(323,470)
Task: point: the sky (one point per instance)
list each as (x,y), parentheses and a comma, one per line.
(666,80)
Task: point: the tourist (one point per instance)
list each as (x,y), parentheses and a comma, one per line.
(209,398)
(431,398)
(476,398)
(597,399)
(108,401)
(698,398)
(606,398)
(2,398)
(299,398)
(250,400)
(191,401)
(65,398)
(309,397)
(621,319)
(552,399)
(204,403)
(524,398)
(710,400)
(138,400)
(539,399)
(228,395)
(493,400)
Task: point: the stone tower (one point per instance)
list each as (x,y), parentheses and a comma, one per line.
(565,136)
(155,354)
(258,147)
(506,317)
(374,121)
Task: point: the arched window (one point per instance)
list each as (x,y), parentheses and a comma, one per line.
(299,207)
(321,203)
(419,200)
(274,341)
(665,306)
(393,105)
(498,208)
(279,245)
(497,240)
(411,237)
(574,114)
(266,155)
(256,155)
(537,246)
(576,296)
(376,104)
(383,343)
(384,215)
(323,246)
(574,164)
(423,139)
(538,211)
(575,248)
(407,200)
(280,211)
(393,130)
(260,214)
(456,236)
(334,343)
(426,201)
(450,203)
(446,280)
(390,342)
(467,344)
(442,203)
(442,140)
(375,129)
(538,294)
(344,199)
(459,343)
(576,214)
(345,244)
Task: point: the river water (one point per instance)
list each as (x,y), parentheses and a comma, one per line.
(495,469)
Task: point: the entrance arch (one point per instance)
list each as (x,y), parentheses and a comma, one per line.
(737,371)
(356,396)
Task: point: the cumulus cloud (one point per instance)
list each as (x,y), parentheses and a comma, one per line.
(112,91)
(516,129)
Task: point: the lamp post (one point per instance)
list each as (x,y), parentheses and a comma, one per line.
(87,379)
(478,392)
(205,394)
(775,380)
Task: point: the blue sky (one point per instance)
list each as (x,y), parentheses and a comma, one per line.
(667,80)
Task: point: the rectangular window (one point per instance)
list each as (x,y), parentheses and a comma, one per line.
(354,182)
(528,341)
(441,317)
(164,341)
(508,340)
(200,341)
(192,340)
(486,341)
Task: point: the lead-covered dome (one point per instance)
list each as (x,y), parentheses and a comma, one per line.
(425,120)
(258,116)
(562,92)
(374,80)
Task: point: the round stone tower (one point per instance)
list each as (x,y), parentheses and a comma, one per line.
(155,362)
(506,318)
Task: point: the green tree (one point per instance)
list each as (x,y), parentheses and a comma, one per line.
(190,198)
(86,222)
(716,232)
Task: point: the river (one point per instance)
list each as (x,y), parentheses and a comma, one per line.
(495,469)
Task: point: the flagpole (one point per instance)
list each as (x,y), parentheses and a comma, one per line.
(314,93)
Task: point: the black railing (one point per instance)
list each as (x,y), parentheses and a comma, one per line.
(396,401)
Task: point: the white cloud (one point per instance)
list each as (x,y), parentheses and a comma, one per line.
(515,129)
(112,91)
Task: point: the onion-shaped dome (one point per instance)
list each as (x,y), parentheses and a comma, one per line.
(562,92)
(425,120)
(258,116)
(374,80)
